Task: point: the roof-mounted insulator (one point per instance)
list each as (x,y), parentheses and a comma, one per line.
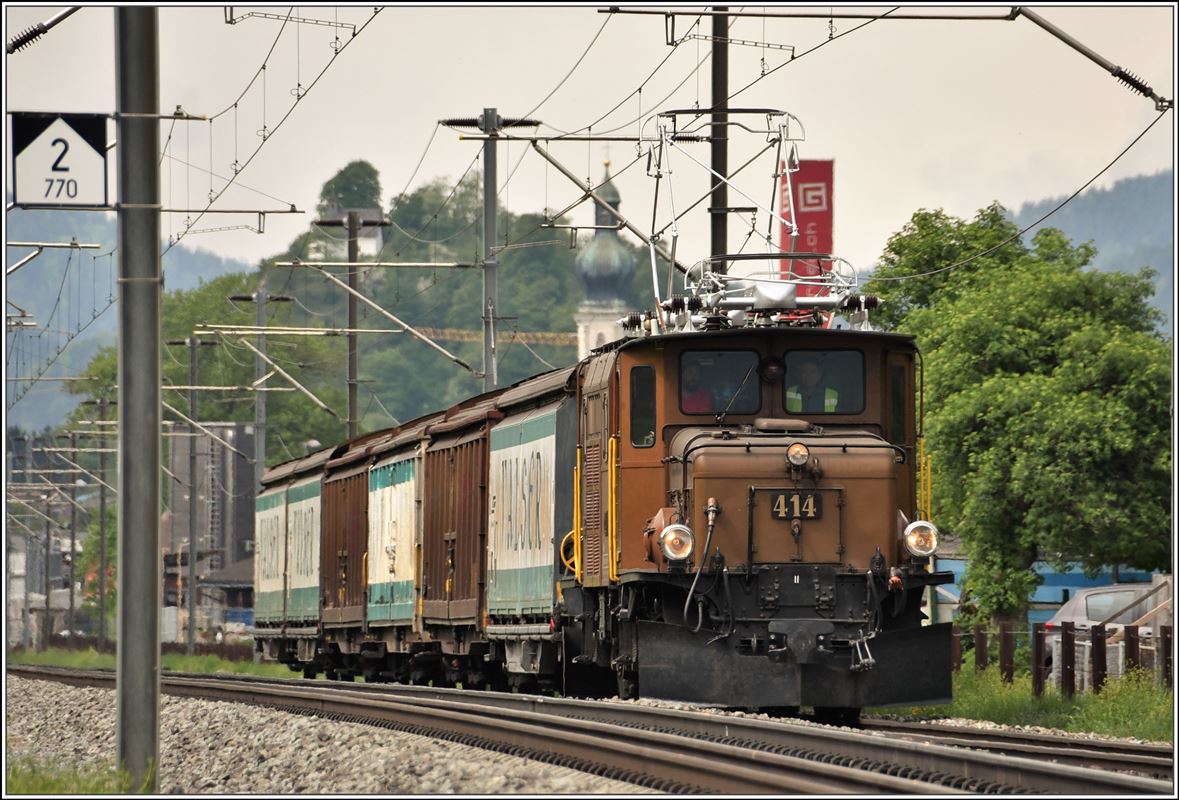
(631,322)
(862,302)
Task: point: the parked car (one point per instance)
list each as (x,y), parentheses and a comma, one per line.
(1114,606)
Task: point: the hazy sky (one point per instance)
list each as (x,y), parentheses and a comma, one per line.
(948,114)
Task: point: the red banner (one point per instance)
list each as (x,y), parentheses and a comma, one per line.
(814,214)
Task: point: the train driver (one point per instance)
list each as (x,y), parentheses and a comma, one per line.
(809,395)
(696,398)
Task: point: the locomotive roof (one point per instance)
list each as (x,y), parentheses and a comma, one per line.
(728,333)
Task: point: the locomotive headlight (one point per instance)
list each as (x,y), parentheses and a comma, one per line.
(677,542)
(921,538)
(798,454)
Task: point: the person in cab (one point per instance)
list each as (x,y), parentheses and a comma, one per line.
(808,395)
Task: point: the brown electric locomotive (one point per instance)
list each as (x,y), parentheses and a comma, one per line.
(744,533)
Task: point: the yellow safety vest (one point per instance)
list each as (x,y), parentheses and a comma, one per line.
(794,399)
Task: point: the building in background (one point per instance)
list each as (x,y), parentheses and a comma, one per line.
(224,525)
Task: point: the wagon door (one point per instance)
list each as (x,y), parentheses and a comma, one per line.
(521,493)
(344,544)
(455,527)
(303,510)
(270,557)
(393,532)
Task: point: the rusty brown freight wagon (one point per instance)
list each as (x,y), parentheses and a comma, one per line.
(344,541)
(454,563)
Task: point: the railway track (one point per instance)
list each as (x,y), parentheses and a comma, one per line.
(667,749)
(1155,760)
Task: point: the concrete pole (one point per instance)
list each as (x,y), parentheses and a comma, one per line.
(26,635)
(47,623)
(138,677)
(102,538)
(720,132)
(260,396)
(353,352)
(193,548)
(26,615)
(73,539)
(489,124)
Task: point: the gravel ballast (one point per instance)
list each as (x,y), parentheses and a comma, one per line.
(219,748)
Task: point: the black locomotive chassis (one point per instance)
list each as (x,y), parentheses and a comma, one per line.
(795,636)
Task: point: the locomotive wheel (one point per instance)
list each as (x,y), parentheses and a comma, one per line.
(309,672)
(331,675)
(837,715)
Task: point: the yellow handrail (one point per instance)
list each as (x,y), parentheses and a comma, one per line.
(577,517)
(924,483)
(612,520)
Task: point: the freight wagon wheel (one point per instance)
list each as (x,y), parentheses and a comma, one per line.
(836,715)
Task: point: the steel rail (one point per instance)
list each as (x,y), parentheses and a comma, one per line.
(638,755)
(1153,759)
(955,767)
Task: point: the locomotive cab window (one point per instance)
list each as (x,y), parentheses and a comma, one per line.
(824,381)
(715,381)
(642,406)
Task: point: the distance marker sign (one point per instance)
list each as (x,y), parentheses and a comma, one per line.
(59,159)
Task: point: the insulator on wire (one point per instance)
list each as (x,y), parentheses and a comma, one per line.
(1133,81)
(25,39)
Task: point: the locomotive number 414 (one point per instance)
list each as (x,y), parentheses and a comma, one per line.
(797,505)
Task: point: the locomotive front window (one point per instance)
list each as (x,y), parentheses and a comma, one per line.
(824,381)
(716,381)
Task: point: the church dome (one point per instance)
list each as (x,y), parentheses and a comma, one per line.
(605,265)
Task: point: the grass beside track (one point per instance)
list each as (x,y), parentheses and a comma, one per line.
(1133,706)
(26,776)
(91,659)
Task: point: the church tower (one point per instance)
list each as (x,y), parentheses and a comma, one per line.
(604,267)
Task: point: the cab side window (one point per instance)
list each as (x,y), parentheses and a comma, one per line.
(642,406)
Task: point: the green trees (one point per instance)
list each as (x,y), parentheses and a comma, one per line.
(1048,399)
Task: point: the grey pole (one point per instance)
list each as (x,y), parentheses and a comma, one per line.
(260,297)
(102,538)
(260,397)
(26,615)
(719,145)
(47,626)
(353,353)
(190,636)
(73,540)
(489,125)
(138,677)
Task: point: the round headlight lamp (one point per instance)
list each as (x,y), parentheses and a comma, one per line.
(677,542)
(921,538)
(798,454)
